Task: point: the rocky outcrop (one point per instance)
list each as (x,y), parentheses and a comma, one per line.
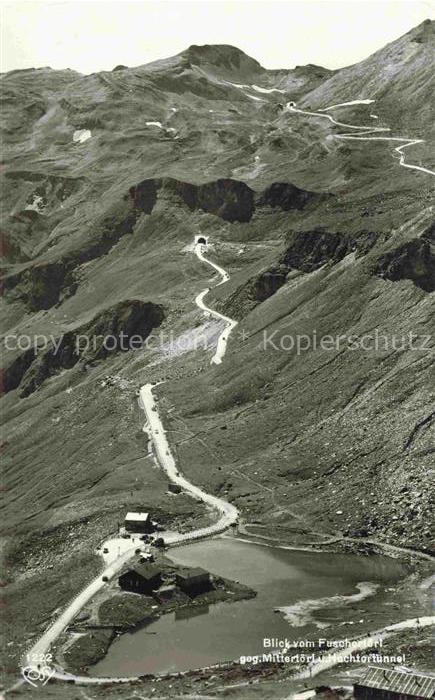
(223,58)
(35,209)
(309,250)
(229,199)
(12,376)
(267,283)
(414,260)
(39,287)
(429,234)
(121,328)
(42,285)
(24,227)
(144,195)
(255,291)
(44,191)
(401,518)
(286,196)
(306,252)
(9,251)
(45,284)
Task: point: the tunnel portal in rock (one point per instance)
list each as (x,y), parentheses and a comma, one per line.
(201,240)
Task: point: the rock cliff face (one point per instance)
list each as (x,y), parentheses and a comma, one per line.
(413,260)
(37,201)
(305,252)
(286,196)
(144,195)
(41,285)
(229,199)
(429,234)
(253,292)
(267,283)
(120,329)
(309,250)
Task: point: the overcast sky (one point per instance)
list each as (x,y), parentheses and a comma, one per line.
(97,35)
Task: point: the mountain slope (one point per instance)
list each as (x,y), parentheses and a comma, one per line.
(106,181)
(398,78)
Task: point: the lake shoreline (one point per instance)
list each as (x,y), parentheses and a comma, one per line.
(346,545)
(370,567)
(125,612)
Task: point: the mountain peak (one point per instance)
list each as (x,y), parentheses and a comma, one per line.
(222,56)
(423,32)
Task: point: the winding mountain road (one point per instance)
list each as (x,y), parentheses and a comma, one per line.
(154,427)
(231,324)
(31,662)
(364,132)
(228,514)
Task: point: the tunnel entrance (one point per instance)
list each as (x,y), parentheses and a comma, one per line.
(201,240)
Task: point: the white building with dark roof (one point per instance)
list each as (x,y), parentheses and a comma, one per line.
(138,522)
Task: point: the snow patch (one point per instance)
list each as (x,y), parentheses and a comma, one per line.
(81,135)
(238,85)
(305,695)
(159,124)
(300,614)
(346,104)
(36,205)
(266,91)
